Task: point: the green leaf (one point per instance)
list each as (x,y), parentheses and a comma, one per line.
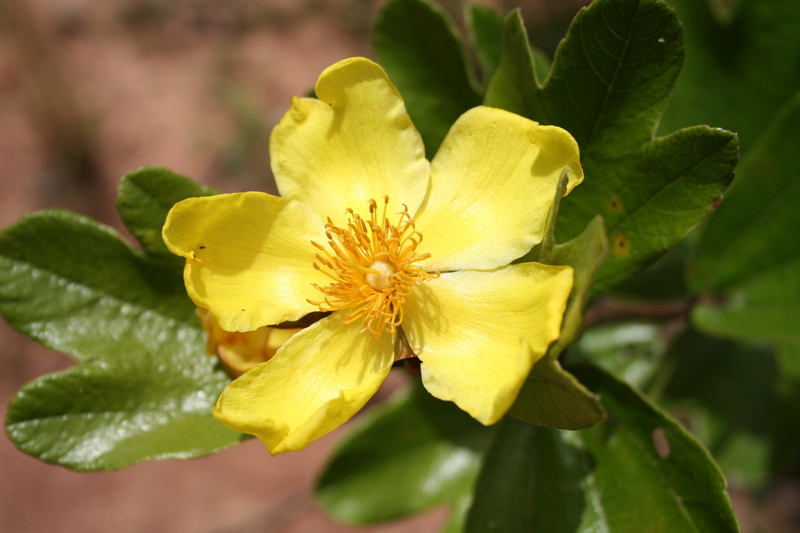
(550,396)
(485,27)
(146,388)
(406,456)
(653,197)
(419,48)
(741,67)
(639,471)
(745,258)
(530,481)
(515,86)
(144,198)
(609,83)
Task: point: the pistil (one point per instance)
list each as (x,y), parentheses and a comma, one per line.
(372,266)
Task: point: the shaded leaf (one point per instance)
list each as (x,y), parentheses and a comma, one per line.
(405,456)
(419,48)
(742,65)
(639,471)
(530,481)
(552,397)
(485,28)
(732,396)
(745,253)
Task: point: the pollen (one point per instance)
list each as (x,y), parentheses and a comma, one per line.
(372,265)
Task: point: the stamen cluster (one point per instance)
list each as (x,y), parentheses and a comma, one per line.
(372,265)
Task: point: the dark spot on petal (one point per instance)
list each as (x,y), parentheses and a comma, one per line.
(202,247)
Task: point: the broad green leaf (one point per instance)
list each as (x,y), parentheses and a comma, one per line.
(419,48)
(410,454)
(105,416)
(531,480)
(741,66)
(144,198)
(653,197)
(608,85)
(76,287)
(746,252)
(146,387)
(550,396)
(639,471)
(485,28)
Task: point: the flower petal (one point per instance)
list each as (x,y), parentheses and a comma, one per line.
(473,330)
(354,144)
(249,258)
(320,378)
(492,183)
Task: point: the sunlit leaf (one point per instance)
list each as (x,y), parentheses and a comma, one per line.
(146,388)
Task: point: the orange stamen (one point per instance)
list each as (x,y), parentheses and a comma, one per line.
(372,265)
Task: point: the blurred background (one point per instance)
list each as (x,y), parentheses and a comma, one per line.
(92,89)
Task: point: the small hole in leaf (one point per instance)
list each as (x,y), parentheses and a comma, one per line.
(660,443)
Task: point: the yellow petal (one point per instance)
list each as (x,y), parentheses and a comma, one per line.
(249,257)
(472,330)
(320,378)
(354,144)
(492,184)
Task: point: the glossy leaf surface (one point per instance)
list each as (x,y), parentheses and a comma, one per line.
(145,388)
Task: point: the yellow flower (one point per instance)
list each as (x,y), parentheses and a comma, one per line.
(239,351)
(410,256)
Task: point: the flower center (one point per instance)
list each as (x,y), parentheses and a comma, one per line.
(372,265)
